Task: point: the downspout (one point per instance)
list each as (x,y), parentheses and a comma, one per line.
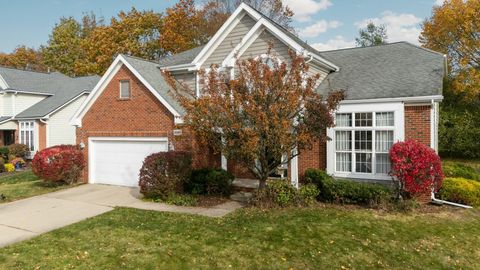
(438,201)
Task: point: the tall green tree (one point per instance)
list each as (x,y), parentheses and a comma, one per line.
(371,35)
(63,48)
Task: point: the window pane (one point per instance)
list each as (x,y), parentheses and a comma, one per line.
(344,162)
(382,163)
(384,119)
(363,119)
(343,119)
(383,140)
(124,89)
(363,162)
(363,140)
(343,140)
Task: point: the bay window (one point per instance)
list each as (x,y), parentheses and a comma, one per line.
(362,141)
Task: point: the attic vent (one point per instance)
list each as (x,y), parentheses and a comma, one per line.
(177,132)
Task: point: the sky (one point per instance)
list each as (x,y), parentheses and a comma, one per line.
(325,24)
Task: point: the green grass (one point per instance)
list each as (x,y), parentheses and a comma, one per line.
(314,238)
(21,185)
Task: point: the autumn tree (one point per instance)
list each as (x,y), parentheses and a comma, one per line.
(273,9)
(135,33)
(182,29)
(64,49)
(23,58)
(268,111)
(371,35)
(454,29)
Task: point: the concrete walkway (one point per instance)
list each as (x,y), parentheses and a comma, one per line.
(30,217)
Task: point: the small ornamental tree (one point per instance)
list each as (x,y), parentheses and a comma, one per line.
(264,116)
(417,167)
(59,163)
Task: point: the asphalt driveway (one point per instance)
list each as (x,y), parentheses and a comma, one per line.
(23,219)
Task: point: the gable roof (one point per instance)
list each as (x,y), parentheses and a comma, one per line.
(393,70)
(151,72)
(59,89)
(185,57)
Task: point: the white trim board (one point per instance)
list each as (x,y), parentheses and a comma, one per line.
(3,83)
(399,135)
(106,79)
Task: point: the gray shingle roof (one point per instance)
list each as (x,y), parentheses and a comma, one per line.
(185,57)
(60,88)
(4,118)
(387,71)
(150,71)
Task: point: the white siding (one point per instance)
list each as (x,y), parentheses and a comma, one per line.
(188,79)
(59,130)
(230,41)
(6,103)
(24,101)
(260,46)
(314,69)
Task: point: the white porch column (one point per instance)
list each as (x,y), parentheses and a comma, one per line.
(294,169)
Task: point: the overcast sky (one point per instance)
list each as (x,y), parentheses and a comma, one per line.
(326,24)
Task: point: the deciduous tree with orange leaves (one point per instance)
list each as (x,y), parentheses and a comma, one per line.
(264,116)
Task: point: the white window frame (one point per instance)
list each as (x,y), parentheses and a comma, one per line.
(129,89)
(398,135)
(31,130)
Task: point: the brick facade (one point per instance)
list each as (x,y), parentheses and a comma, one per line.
(140,116)
(417,123)
(312,158)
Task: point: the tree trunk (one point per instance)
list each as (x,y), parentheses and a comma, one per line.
(263,183)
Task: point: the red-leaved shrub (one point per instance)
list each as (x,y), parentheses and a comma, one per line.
(416,166)
(164,173)
(59,163)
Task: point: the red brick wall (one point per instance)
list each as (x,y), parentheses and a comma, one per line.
(42,135)
(417,123)
(312,158)
(140,116)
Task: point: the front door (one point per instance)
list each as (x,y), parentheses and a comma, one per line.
(8,137)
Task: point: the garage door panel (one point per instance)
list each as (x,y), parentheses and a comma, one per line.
(119,162)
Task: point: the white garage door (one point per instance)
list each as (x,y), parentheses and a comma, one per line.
(118,161)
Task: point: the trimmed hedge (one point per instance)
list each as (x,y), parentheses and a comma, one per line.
(18,150)
(164,173)
(210,181)
(458,170)
(460,190)
(346,191)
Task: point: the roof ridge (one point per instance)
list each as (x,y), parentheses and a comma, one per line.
(141,59)
(383,45)
(26,70)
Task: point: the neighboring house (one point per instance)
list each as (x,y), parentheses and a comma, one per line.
(392,92)
(36,107)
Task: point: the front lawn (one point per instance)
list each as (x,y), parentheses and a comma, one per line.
(21,185)
(316,238)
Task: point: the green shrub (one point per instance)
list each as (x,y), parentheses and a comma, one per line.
(455,170)
(18,150)
(459,132)
(460,190)
(308,194)
(164,173)
(210,181)
(2,165)
(4,152)
(280,193)
(346,191)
